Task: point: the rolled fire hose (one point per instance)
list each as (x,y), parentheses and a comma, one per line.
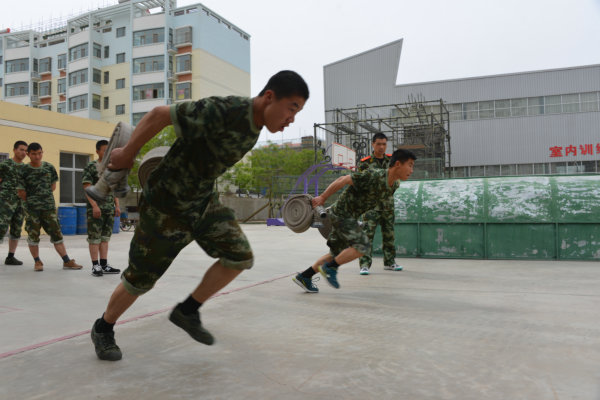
(112,180)
(299,215)
(150,162)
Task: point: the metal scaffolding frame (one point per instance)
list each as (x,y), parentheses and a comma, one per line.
(420,126)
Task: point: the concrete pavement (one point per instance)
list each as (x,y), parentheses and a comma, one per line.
(440,329)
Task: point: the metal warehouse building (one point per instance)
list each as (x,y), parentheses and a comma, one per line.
(537,122)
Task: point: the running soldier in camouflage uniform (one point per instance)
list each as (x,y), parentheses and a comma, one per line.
(11,206)
(100,217)
(37,182)
(347,240)
(179,204)
(383,214)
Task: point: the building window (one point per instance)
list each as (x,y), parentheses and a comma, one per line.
(518,107)
(183,35)
(77,52)
(62,86)
(152,91)
(4,156)
(71,174)
(121,32)
(570,103)
(589,101)
(45,64)
(78,77)
(148,64)
(106,103)
(106,51)
(16,89)
(120,83)
(120,58)
(535,105)
(61,59)
(97,50)
(136,117)
(148,36)
(552,104)
(45,107)
(120,109)
(184,91)
(20,65)
(184,63)
(45,88)
(96,101)
(105,77)
(96,76)
(61,107)
(78,103)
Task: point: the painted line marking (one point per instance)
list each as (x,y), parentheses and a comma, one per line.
(125,321)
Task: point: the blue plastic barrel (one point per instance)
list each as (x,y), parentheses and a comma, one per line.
(81,220)
(67,216)
(117,225)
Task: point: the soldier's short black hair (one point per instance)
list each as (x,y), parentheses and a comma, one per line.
(286,84)
(19,143)
(402,155)
(378,135)
(101,143)
(35,146)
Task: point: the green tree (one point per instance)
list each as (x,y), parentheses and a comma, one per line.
(166,137)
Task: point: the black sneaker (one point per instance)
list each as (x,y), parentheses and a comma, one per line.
(107,269)
(12,261)
(105,346)
(306,283)
(97,271)
(192,325)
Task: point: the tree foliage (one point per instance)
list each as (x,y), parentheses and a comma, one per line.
(254,174)
(166,137)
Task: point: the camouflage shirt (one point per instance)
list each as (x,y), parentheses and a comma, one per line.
(37,183)
(378,163)
(9,173)
(212,135)
(90,175)
(369,189)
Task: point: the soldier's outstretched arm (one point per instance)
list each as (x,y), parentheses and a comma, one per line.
(152,123)
(331,189)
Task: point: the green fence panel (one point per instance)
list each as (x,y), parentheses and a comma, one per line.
(461,201)
(519,199)
(451,240)
(525,217)
(578,200)
(579,241)
(521,241)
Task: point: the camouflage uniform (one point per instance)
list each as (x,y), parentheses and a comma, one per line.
(11,206)
(40,209)
(368,190)
(179,203)
(98,229)
(383,215)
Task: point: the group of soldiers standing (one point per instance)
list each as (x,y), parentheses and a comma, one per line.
(26,193)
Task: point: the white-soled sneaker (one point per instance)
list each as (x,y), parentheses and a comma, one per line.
(364,271)
(393,267)
(107,269)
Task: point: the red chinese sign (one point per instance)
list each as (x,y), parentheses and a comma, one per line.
(582,150)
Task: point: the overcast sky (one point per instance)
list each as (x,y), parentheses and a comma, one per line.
(442,39)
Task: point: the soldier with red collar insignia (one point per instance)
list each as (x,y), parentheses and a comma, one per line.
(383,214)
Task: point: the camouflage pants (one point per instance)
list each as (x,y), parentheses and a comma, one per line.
(47,219)
(99,229)
(385,219)
(346,232)
(159,237)
(11,215)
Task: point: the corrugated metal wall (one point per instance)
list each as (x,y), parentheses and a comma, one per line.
(369,78)
(533,217)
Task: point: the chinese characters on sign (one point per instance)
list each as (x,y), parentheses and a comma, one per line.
(582,150)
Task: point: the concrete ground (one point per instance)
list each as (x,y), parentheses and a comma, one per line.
(440,329)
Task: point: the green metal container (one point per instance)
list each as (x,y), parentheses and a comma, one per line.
(523,217)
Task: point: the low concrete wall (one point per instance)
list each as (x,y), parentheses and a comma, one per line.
(245,206)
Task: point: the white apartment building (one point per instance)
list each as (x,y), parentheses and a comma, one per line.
(117,63)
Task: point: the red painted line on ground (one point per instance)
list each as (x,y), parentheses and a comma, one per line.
(125,321)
